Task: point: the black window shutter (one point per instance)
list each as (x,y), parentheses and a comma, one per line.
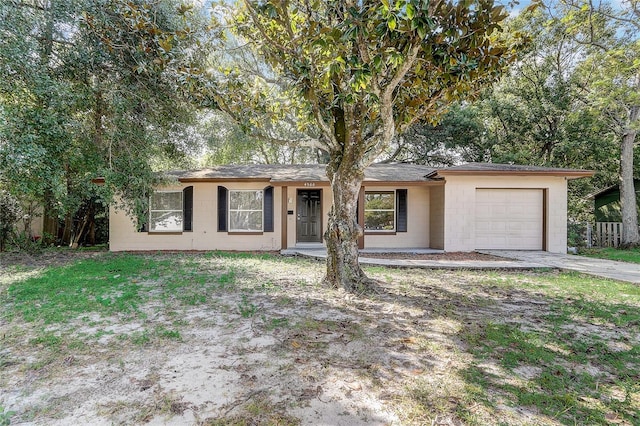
(222,209)
(268,209)
(401,210)
(187,208)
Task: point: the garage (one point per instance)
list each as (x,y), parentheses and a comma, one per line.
(509,219)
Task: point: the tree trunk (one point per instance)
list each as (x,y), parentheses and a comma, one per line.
(98,112)
(629,210)
(27,220)
(91,234)
(50,222)
(76,237)
(67,230)
(343,231)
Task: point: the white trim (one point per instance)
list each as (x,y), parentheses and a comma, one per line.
(395,211)
(151,211)
(229,210)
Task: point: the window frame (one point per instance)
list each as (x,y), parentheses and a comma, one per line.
(394,210)
(229,210)
(181,210)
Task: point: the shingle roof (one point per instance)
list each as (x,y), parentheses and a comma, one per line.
(490,168)
(613,188)
(304,172)
(398,172)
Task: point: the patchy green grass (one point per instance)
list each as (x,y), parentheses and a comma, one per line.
(429,347)
(109,285)
(577,362)
(114,284)
(627,255)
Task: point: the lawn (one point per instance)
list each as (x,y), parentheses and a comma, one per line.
(627,255)
(240,339)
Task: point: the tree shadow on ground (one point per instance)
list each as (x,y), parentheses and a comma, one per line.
(423,347)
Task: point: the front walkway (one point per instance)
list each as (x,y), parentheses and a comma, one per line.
(620,271)
(321,253)
(513,259)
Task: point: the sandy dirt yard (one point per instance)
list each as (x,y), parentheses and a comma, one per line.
(246,340)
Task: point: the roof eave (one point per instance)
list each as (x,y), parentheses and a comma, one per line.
(225,179)
(569,174)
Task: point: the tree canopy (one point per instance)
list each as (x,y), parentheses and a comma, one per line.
(92,89)
(122,89)
(366,71)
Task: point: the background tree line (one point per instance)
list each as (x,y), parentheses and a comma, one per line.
(123,89)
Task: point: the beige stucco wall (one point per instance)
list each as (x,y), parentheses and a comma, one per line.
(37,220)
(123,235)
(460,202)
(417,235)
(436,217)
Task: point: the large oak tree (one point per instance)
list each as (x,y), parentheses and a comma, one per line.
(366,71)
(612,32)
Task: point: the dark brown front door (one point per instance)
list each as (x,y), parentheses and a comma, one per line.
(309,216)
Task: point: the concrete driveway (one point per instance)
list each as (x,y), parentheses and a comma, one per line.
(621,271)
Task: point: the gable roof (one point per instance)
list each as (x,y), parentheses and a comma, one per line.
(615,189)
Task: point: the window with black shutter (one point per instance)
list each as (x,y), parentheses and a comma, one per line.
(268,209)
(187,207)
(401,214)
(222,209)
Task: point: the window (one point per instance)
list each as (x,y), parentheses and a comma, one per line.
(242,214)
(379,211)
(245,211)
(165,213)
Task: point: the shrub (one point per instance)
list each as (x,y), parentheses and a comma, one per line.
(10,212)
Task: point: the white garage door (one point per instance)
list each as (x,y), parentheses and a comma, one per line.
(509,219)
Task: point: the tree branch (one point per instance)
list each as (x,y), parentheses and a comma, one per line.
(263,33)
(386,100)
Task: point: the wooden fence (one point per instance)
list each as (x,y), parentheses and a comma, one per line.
(608,234)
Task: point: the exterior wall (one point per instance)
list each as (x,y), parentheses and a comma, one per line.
(417,235)
(436,217)
(460,202)
(37,220)
(417,218)
(123,235)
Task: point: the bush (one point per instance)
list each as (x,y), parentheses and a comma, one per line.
(10,212)
(577,234)
(23,242)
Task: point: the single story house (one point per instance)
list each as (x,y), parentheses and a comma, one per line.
(607,203)
(273,207)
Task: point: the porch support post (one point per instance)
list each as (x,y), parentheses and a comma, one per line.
(284,218)
(361,216)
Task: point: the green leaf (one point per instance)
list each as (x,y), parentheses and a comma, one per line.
(391,23)
(411,11)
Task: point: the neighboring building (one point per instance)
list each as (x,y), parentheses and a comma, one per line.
(272,207)
(607,203)
(31,223)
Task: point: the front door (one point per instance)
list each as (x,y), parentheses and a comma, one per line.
(309,216)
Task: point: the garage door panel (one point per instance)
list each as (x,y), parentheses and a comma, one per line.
(509,219)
